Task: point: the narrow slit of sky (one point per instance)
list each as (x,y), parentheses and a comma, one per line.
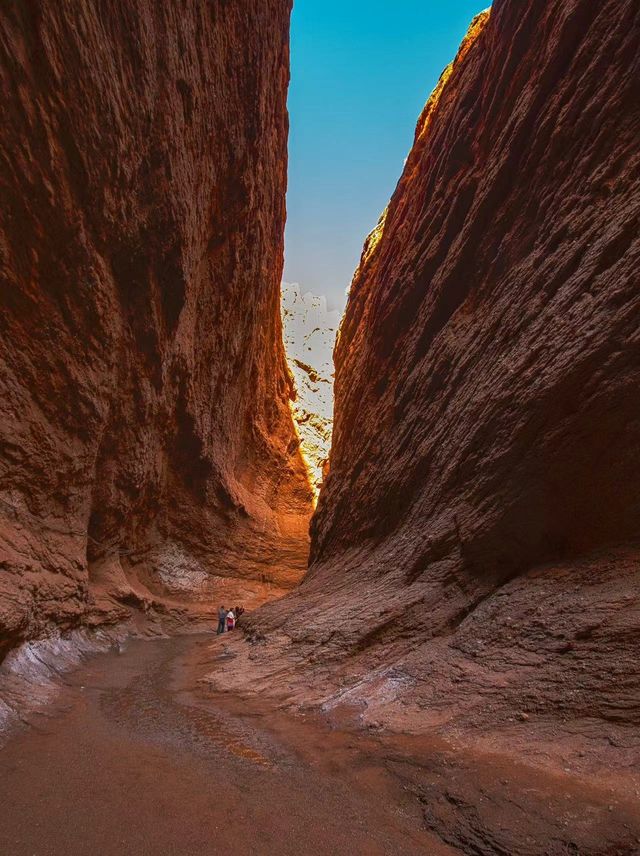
(361,71)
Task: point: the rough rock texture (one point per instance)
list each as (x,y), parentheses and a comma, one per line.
(310,329)
(476,550)
(147,447)
(491,342)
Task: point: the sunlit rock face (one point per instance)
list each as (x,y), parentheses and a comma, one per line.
(309,335)
(147,445)
(475,548)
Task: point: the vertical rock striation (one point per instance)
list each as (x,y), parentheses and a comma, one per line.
(486,419)
(147,447)
(489,349)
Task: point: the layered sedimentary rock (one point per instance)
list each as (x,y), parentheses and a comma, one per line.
(475,553)
(310,329)
(147,444)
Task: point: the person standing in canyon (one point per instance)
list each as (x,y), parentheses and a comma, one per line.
(231,620)
(222,616)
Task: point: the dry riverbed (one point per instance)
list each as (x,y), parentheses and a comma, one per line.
(134,758)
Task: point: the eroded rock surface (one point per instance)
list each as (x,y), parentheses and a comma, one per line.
(476,560)
(310,329)
(148,450)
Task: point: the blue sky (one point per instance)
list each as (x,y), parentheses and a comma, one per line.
(361,73)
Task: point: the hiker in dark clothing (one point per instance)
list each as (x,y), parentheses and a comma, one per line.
(222,620)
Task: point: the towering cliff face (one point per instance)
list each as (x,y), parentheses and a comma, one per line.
(489,349)
(147,443)
(475,551)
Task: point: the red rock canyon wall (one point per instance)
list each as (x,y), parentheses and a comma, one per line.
(490,349)
(147,448)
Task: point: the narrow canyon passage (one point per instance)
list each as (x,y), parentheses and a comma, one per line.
(439,653)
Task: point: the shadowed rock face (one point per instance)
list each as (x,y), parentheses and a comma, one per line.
(475,549)
(490,346)
(146,439)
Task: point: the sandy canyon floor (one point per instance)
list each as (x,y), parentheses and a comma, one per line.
(136,758)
